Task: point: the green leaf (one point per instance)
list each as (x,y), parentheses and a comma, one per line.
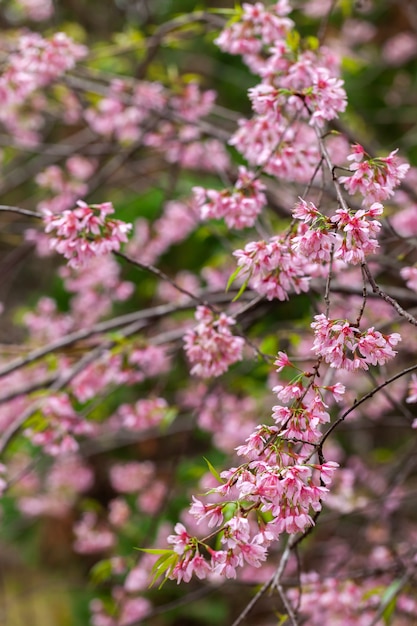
(241,290)
(389,598)
(232,277)
(101,571)
(213,471)
(154,550)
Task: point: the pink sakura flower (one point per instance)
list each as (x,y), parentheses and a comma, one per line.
(85,232)
(257,26)
(239,207)
(273,268)
(131,477)
(133,610)
(282,361)
(374,178)
(181,539)
(213,512)
(224,563)
(409,274)
(359,232)
(63,424)
(91,536)
(346,347)
(210,346)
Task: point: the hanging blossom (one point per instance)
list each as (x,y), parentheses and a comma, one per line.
(351,235)
(62,425)
(374,178)
(85,232)
(277,490)
(346,347)
(273,268)
(239,207)
(257,26)
(210,346)
(36,63)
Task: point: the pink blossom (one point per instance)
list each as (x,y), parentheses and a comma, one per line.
(374,178)
(210,346)
(91,536)
(273,268)
(239,207)
(181,540)
(85,232)
(346,347)
(132,476)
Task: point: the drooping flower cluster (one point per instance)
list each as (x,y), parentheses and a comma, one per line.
(85,232)
(286,493)
(272,268)
(351,235)
(346,347)
(210,346)
(36,63)
(239,207)
(374,178)
(62,425)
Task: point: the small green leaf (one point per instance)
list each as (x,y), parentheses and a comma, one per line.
(101,571)
(213,471)
(154,550)
(232,277)
(241,290)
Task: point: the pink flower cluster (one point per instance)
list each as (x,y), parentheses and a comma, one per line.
(37,10)
(374,178)
(346,347)
(85,232)
(273,269)
(286,493)
(257,26)
(36,63)
(239,207)
(122,113)
(63,424)
(350,234)
(210,346)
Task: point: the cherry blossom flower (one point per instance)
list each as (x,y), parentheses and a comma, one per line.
(210,346)
(85,232)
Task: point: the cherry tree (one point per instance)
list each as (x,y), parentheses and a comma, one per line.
(216,373)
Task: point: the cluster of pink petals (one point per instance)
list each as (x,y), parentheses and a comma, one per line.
(34,64)
(91,536)
(350,235)
(37,10)
(95,285)
(129,610)
(302,419)
(68,477)
(346,347)
(239,207)
(359,231)
(374,178)
(144,414)
(273,268)
(65,184)
(63,426)
(85,232)
(210,346)
(121,113)
(409,274)
(131,477)
(257,26)
(286,493)
(286,151)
